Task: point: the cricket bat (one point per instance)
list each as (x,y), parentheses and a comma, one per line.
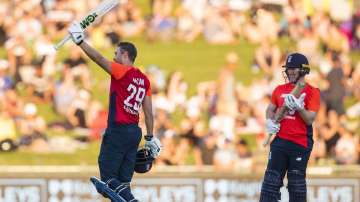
(95,14)
(282,111)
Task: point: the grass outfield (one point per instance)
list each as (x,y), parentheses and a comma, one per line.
(198,61)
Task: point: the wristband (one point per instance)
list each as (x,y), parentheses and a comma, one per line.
(148,137)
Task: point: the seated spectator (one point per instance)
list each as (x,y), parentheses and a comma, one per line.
(32,129)
(252,32)
(330,132)
(77,113)
(267,25)
(30,25)
(187,28)
(204,153)
(309,45)
(6,82)
(8,131)
(13,103)
(319,148)
(130,19)
(217,29)
(162,25)
(40,88)
(78,67)
(243,160)
(65,93)
(183,149)
(176,89)
(346,147)
(267,57)
(167,156)
(224,157)
(355,32)
(162,122)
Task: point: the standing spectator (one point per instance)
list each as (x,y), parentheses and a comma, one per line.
(336,91)
(226,94)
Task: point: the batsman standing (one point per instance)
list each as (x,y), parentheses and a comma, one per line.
(290,150)
(129,91)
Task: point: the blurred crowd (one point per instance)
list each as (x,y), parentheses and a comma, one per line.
(222,124)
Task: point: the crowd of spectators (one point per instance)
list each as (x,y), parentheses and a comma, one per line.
(222,124)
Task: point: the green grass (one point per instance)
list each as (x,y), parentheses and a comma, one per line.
(87,156)
(198,61)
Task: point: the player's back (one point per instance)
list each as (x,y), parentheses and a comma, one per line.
(128,88)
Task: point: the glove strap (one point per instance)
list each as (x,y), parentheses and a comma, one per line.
(80,42)
(148,137)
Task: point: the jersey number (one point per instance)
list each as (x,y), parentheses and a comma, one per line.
(135,92)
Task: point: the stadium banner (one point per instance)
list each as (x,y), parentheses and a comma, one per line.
(169,188)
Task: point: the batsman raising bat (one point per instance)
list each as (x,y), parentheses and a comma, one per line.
(129,92)
(290,115)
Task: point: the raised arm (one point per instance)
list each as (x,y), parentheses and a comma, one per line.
(95,56)
(77,35)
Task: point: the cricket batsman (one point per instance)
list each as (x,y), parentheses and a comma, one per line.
(129,92)
(290,150)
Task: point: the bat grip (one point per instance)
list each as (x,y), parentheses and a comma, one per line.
(278,117)
(62,42)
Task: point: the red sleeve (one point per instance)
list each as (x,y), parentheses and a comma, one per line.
(313,103)
(119,70)
(274,97)
(148,92)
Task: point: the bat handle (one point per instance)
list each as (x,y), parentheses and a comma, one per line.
(62,42)
(267,140)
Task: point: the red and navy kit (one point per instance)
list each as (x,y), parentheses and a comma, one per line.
(117,157)
(128,88)
(292,126)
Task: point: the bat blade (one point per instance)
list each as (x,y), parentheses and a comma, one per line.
(283,109)
(95,14)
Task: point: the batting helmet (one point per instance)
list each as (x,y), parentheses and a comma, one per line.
(297,60)
(144,160)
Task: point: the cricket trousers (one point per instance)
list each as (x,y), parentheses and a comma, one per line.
(291,160)
(117,157)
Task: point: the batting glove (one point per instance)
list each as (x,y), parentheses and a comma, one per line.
(76,33)
(272,127)
(153,144)
(294,103)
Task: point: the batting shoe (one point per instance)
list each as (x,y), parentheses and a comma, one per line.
(103,189)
